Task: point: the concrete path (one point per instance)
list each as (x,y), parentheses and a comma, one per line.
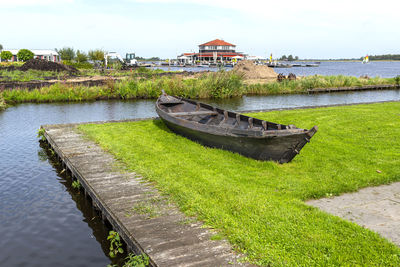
(376,208)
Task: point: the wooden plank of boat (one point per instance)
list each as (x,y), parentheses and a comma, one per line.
(195,113)
(214,127)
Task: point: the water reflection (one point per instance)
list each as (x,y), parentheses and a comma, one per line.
(83,203)
(304,100)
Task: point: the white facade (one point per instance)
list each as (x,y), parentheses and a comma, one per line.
(49,55)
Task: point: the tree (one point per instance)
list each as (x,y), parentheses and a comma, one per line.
(283,58)
(25,54)
(6,55)
(81,57)
(66,53)
(1,47)
(290,58)
(96,55)
(296,58)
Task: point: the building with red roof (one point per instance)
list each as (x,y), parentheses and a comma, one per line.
(215,51)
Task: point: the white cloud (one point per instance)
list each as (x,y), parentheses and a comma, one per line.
(307,28)
(283,9)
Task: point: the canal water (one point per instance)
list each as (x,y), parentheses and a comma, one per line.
(43,220)
(384,69)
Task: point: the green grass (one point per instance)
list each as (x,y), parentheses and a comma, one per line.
(259,206)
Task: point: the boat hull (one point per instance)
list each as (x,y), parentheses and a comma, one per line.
(218,128)
(275,147)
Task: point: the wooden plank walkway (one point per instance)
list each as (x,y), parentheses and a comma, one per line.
(354,88)
(145,220)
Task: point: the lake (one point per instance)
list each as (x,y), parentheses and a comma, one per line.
(384,69)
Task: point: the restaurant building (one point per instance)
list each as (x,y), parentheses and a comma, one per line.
(216,51)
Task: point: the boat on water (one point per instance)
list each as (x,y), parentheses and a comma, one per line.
(215,127)
(365,60)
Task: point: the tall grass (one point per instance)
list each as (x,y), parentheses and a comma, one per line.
(2,103)
(312,82)
(215,85)
(220,84)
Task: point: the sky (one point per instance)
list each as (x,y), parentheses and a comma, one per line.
(315,29)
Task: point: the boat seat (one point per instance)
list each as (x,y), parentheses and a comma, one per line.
(194,113)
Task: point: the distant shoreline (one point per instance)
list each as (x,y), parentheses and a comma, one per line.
(339,60)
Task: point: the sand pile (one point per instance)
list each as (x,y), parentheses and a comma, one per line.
(253,71)
(40,64)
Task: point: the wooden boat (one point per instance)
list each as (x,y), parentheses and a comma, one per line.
(214,127)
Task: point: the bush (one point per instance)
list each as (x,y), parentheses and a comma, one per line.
(397,79)
(79,65)
(6,55)
(81,57)
(66,53)
(96,55)
(25,55)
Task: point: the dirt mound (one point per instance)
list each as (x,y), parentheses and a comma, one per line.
(40,64)
(253,71)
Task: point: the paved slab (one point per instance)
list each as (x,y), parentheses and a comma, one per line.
(146,221)
(376,208)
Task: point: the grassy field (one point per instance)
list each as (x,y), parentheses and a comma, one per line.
(259,206)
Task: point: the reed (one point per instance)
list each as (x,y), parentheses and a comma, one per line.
(3,104)
(217,85)
(312,82)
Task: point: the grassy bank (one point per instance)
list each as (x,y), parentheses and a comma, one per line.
(259,206)
(213,85)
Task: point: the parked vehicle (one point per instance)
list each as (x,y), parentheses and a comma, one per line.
(129,61)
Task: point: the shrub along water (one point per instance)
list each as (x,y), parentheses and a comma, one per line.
(220,84)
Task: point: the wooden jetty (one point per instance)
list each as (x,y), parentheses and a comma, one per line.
(354,88)
(166,235)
